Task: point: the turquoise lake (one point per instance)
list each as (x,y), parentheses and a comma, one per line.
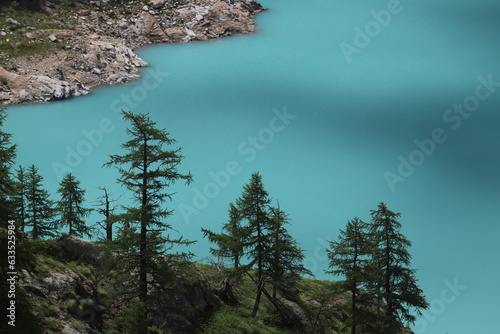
(406,112)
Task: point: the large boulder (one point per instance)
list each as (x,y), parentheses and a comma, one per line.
(78,248)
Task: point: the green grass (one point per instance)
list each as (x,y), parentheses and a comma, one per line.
(235,318)
(231,318)
(15,43)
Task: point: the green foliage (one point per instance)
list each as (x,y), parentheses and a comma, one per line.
(396,283)
(285,264)
(328,297)
(83,269)
(39,208)
(147,169)
(232,320)
(257,233)
(373,259)
(132,321)
(70,206)
(26,321)
(350,255)
(20,198)
(230,242)
(7,157)
(48,248)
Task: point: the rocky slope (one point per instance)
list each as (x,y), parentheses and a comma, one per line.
(72,287)
(73,293)
(95,43)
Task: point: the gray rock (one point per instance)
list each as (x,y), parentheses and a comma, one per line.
(69,330)
(53,38)
(24,96)
(60,282)
(157,4)
(3,33)
(296,310)
(79,248)
(122,25)
(12,21)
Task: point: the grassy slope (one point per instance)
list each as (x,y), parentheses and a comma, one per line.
(229,319)
(15,43)
(234,318)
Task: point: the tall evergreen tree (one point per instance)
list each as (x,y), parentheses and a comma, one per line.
(25,320)
(70,207)
(147,169)
(7,159)
(40,212)
(391,259)
(20,197)
(349,258)
(256,233)
(254,208)
(230,242)
(285,264)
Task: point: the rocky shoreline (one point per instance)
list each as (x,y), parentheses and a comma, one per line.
(98,49)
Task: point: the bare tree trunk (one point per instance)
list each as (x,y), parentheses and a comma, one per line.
(260,286)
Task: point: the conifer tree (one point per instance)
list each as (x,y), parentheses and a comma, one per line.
(254,208)
(231,241)
(391,259)
(285,265)
(349,258)
(40,212)
(147,170)
(25,320)
(70,207)
(20,198)
(256,233)
(7,159)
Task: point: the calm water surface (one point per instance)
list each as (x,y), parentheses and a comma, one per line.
(325,133)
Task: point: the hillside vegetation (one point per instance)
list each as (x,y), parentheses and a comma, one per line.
(73,290)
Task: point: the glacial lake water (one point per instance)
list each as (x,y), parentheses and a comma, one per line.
(339,106)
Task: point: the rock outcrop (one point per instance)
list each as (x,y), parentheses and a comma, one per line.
(77,290)
(99,49)
(81,249)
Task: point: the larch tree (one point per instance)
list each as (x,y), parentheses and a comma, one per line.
(230,241)
(71,208)
(147,169)
(39,207)
(391,260)
(20,198)
(25,320)
(349,258)
(255,238)
(7,160)
(285,263)
(253,206)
